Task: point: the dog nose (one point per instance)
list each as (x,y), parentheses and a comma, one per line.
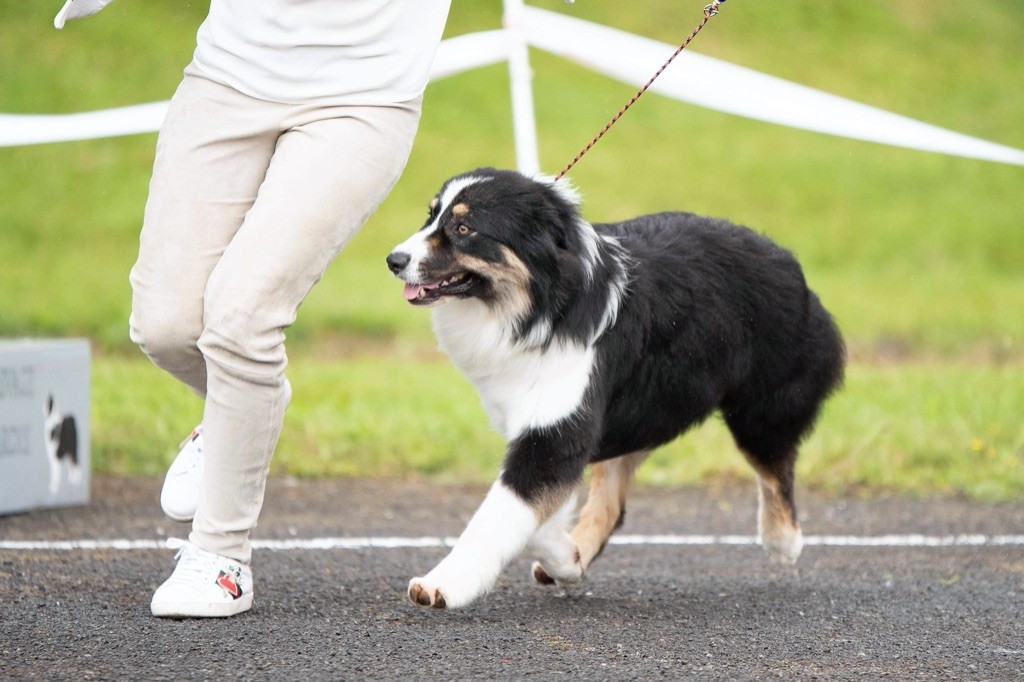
(397,261)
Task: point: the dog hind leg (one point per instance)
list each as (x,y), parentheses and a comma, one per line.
(777,524)
(771,448)
(769,420)
(769,440)
(605,509)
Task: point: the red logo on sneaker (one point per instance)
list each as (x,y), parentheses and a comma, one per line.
(230,583)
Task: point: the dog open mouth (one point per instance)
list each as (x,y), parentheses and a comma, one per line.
(459,284)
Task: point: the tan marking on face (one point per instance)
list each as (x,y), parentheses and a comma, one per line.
(459,210)
(434,202)
(509,278)
(601,513)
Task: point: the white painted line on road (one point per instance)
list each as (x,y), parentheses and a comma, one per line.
(70,545)
(354,543)
(914,540)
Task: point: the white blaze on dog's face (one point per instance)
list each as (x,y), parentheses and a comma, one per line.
(418,247)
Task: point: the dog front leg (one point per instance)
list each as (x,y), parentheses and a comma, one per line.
(497,533)
(558,556)
(541,471)
(54,474)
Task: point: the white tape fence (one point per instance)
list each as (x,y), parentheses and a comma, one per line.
(692,78)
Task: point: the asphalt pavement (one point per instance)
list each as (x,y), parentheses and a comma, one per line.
(644,612)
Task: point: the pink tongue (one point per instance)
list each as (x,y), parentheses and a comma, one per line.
(411,291)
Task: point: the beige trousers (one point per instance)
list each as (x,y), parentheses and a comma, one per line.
(249,203)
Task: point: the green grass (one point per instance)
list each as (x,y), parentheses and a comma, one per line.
(902,245)
(921,429)
(920,256)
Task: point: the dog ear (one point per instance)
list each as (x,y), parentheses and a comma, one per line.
(570,277)
(559,236)
(561,211)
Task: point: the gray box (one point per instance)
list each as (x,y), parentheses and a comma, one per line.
(44,424)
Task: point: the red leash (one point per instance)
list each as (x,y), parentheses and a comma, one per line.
(709,11)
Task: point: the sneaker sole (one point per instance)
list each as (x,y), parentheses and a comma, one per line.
(203,610)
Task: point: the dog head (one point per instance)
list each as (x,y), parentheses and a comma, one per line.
(515,243)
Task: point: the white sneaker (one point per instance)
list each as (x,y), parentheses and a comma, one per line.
(180,495)
(203,585)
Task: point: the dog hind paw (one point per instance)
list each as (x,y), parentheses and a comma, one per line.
(785,548)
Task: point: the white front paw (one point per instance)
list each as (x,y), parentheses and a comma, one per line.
(561,567)
(572,575)
(448,587)
(422,592)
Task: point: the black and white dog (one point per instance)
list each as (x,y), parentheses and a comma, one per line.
(61,440)
(593,344)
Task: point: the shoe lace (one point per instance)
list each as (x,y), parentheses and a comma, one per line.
(192,560)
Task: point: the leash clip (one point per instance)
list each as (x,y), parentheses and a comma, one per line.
(712,9)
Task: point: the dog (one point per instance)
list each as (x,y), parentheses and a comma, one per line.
(594,344)
(61,440)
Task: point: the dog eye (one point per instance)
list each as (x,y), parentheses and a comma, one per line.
(463,230)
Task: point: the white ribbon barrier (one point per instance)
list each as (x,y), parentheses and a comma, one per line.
(455,55)
(722,86)
(468,52)
(21,129)
(692,78)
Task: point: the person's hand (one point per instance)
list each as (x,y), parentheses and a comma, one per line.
(74,9)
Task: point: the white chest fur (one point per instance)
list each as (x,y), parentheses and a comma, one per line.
(520,387)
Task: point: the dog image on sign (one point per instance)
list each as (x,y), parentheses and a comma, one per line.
(61,437)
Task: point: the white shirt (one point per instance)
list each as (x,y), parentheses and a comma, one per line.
(338,51)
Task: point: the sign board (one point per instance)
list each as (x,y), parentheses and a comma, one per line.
(44,424)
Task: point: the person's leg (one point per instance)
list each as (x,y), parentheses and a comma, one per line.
(212,154)
(330,171)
